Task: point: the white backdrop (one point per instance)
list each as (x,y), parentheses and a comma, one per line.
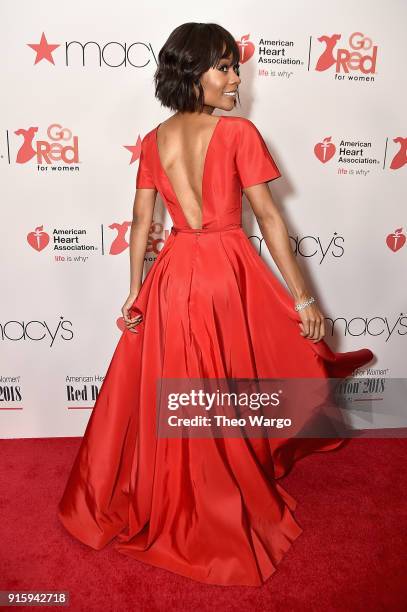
(325,83)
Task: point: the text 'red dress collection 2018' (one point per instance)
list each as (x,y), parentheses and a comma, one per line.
(210,509)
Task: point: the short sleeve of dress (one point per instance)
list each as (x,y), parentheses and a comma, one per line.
(253,159)
(144,178)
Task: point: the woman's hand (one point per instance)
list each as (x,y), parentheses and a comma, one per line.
(312,325)
(130,323)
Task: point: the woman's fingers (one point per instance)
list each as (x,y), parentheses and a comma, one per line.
(134,321)
(315,336)
(131,323)
(129,319)
(312,324)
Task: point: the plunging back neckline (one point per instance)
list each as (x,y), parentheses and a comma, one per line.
(220,117)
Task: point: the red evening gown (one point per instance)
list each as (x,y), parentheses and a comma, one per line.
(210,509)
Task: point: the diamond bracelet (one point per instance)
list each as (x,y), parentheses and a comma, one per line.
(304,304)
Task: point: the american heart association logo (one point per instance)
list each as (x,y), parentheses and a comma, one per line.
(325,150)
(38,239)
(396,240)
(246,48)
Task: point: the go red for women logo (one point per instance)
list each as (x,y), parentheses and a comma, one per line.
(60,145)
(358,55)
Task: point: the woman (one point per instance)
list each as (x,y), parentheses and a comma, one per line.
(206,508)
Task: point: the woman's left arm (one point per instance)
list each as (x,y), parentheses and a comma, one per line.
(275,234)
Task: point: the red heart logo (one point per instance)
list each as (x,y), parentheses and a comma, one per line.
(396,241)
(246,48)
(38,239)
(325,150)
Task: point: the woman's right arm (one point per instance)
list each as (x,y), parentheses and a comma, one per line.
(143,210)
(275,233)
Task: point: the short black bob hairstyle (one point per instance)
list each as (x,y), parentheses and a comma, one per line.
(190,50)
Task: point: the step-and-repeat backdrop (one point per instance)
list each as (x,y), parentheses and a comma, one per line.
(325,83)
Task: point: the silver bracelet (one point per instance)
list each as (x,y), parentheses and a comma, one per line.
(304,304)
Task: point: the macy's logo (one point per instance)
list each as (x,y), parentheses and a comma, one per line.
(35,330)
(355,58)
(119,54)
(48,151)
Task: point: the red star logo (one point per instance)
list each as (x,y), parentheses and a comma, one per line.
(135,150)
(43,50)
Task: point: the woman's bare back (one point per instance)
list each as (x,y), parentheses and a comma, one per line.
(182,145)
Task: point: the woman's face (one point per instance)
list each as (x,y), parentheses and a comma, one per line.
(216,82)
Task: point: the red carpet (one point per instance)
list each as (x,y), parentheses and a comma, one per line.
(352,504)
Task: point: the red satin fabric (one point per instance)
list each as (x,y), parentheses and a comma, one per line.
(210,509)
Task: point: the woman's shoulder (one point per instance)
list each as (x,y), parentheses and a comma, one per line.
(149,135)
(241,124)
(238,119)
(147,143)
